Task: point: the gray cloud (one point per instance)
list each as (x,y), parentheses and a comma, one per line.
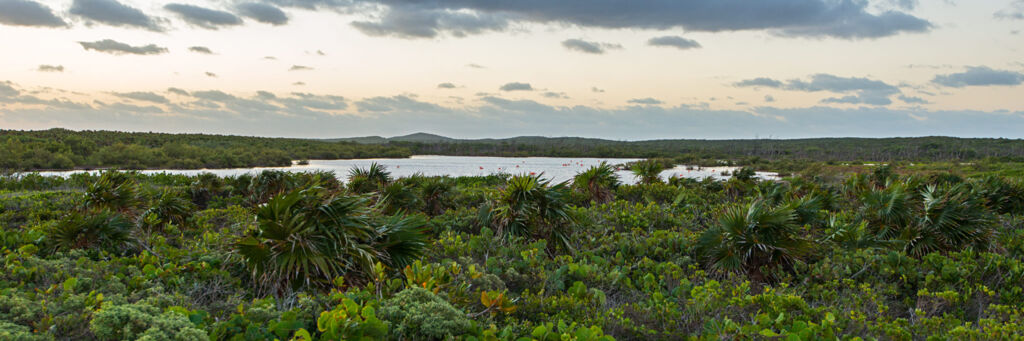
(589,46)
(397,104)
(645,101)
(113,13)
(760,81)
(28,13)
(674,41)
(415,21)
(210,74)
(769,98)
(446,86)
(204,17)
(912,99)
(475,66)
(845,19)
(1015,11)
(178,92)
(119,48)
(50,68)
(980,76)
(200,49)
(143,96)
(516,86)
(7,89)
(556,95)
(595,89)
(264,13)
(300,68)
(865,91)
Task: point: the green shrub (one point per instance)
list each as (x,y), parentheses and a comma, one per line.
(419,314)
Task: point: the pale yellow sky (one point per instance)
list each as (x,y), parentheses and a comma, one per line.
(358,66)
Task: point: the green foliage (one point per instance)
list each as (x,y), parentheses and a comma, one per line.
(529,205)
(597,182)
(351,321)
(648,171)
(101,230)
(139,321)
(754,236)
(419,314)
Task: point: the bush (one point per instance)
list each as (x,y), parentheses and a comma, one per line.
(418,314)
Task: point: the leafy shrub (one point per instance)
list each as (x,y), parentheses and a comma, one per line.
(419,314)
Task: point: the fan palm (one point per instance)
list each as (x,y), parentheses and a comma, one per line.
(113,191)
(753,237)
(103,230)
(648,171)
(306,238)
(597,182)
(529,205)
(365,180)
(168,208)
(951,218)
(434,193)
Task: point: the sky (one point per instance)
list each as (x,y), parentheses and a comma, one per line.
(615,69)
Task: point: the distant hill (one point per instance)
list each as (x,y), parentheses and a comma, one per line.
(417,138)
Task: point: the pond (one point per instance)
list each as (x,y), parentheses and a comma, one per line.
(555,168)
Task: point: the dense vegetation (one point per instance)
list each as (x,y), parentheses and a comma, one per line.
(819,149)
(881,254)
(65,149)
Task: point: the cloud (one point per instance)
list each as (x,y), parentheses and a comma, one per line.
(845,19)
(446,86)
(143,96)
(556,95)
(864,91)
(113,13)
(595,89)
(7,89)
(645,101)
(299,83)
(264,13)
(200,49)
(178,92)
(300,68)
(475,66)
(1015,11)
(516,86)
(28,13)
(50,68)
(980,76)
(769,98)
(589,46)
(416,21)
(912,100)
(760,81)
(395,104)
(204,17)
(210,74)
(674,41)
(119,48)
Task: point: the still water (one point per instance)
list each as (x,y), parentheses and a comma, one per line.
(557,169)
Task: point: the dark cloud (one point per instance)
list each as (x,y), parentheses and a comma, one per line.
(28,13)
(645,101)
(113,13)
(516,86)
(204,17)
(846,19)
(211,74)
(264,13)
(50,68)
(143,96)
(119,48)
(314,102)
(980,76)
(1015,11)
(300,68)
(446,86)
(865,91)
(213,95)
(415,21)
(589,46)
(7,89)
(674,41)
(200,49)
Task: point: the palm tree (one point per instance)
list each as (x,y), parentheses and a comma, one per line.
(753,237)
(648,171)
(269,183)
(398,196)
(435,193)
(204,188)
(105,230)
(113,191)
(306,238)
(529,205)
(951,218)
(597,182)
(887,210)
(168,208)
(370,179)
